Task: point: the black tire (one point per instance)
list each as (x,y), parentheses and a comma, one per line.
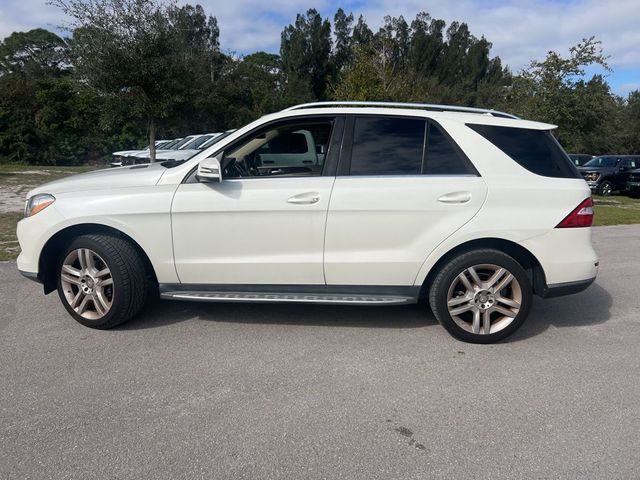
(446,277)
(605,189)
(130,285)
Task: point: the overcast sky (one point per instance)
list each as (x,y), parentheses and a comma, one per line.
(520,30)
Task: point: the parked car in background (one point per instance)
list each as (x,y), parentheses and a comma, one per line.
(580,159)
(606,174)
(131,157)
(187,143)
(352,203)
(633,185)
(118,158)
(184,154)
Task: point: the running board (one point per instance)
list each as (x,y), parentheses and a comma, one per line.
(272,297)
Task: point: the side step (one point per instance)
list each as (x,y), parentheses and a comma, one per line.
(272,297)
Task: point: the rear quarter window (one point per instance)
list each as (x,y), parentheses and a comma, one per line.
(536,150)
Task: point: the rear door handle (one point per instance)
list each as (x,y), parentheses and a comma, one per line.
(455,197)
(308,198)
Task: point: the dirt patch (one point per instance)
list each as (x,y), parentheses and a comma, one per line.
(14,185)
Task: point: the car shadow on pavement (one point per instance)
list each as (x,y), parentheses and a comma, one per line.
(591,307)
(169,312)
(587,308)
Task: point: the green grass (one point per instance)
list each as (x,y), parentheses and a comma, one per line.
(9,247)
(616,210)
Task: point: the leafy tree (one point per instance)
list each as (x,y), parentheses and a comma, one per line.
(37,52)
(343,49)
(553,90)
(305,51)
(139,50)
(631,123)
(426,45)
(362,34)
(136,68)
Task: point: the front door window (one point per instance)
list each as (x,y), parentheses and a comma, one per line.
(292,149)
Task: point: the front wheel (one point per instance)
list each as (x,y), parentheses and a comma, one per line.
(482,296)
(101,280)
(605,189)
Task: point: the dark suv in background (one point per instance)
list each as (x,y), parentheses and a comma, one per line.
(607,173)
(633,185)
(580,159)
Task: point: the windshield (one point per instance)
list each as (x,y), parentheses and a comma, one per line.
(603,162)
(196,142)
(212,141)
(182,142)
(168,145)
(216,139)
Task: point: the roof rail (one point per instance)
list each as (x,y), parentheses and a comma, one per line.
(421,106)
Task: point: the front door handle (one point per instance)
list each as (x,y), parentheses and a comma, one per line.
(308,198)
(455,197)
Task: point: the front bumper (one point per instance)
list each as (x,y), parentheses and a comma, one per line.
(593,186)
(30,275)
(633,186)
(33,232)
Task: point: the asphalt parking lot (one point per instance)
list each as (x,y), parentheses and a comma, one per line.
(302,392)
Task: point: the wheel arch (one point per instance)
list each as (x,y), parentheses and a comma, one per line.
(524,257)
(52,248)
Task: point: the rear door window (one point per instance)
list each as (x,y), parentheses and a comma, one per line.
(536,150)
(442,156)
(387,146)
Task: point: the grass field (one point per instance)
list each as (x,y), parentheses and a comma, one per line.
(16,181)
(616,210)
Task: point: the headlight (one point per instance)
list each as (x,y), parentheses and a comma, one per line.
(592,176)
(38,203)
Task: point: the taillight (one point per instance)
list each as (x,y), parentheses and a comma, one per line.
(582,216)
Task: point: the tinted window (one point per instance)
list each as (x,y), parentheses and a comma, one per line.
(442,157)
(535,150)
(603,162)
(292,142)
(387,146)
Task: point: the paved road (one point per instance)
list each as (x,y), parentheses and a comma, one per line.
(247,391)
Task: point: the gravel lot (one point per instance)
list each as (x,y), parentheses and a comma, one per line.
(303,392)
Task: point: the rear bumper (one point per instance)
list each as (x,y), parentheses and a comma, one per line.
(567,288)
(566,256)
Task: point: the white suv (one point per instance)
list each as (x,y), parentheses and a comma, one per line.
(473,210)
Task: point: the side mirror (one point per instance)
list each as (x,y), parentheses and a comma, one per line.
(209,170)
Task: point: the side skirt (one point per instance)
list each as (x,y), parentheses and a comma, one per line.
(323,294)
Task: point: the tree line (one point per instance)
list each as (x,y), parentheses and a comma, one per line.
(132,71)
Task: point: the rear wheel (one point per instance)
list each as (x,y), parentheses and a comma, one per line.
(481,296)
(101,281)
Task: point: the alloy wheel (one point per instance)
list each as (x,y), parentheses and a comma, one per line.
(87,283)
(484,299)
